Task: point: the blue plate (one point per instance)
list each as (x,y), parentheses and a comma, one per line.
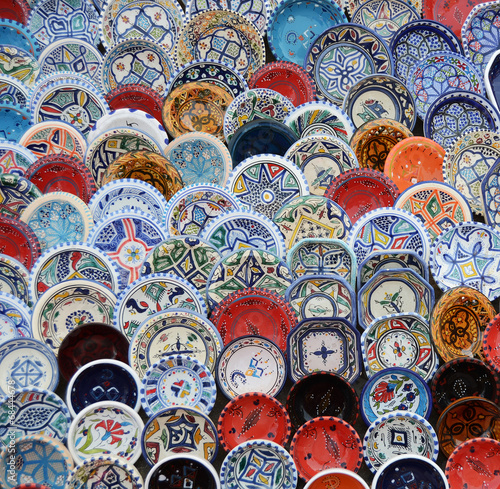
(16,34)
(14,278)
(14,121)
(13,90)
(15,312)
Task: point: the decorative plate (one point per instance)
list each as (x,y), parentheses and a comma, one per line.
(19,62)
(395,389)
(254,311)
(16,194)
(222,35)
(467,254)
(188,257)
(289,79)
(322,256)
(258,464)
(103,380)
(380,96)
(320,118)
(266,182)
(27,363)
(451,16)
(324,344)
(13,90)
(399,433)
(136,61)
(344,54)
(196,106)
(250,364)
(14,121)
(399,340)
(388,229)
(251,416)
(160,437)
(311,216)
(235,230)
(322,296)
(18,10)
(491,343)
(247,268)
(103,428)
(373,141)
(394,291)
(258,103)
(55,138)
(322,158)
(414,159)
(464,377)
(294,25)
(16,313)
(14,277)
(18,241)
(15,158)
(33,411)
(127,237)
(16,34)
(174,332)
(8,330)
(451,114)
(326,443)
(178,381)
(151,294)
(342,477)
(68,304)
(465,419)
(361,190)
(200,158)
(489,189)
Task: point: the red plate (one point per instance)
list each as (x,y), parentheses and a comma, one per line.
(18,241)
(326,443)
(361,190)
(251,416)
(18,10)
(289,79)
(491,343)
(61,173)
(254,311)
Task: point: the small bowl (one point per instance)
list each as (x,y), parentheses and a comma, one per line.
(336,478)
(491,342)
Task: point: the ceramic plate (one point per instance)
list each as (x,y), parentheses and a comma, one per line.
(17,34)
(14,121)
(342,477)
(17,10)
(451,16)
(13,90)
(16,313)
(15,158)
(18,61)
(491,343)
(14,277)
(18,241)
(489,189)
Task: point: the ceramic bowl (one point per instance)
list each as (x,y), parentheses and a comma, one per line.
(336,478)
(491,342)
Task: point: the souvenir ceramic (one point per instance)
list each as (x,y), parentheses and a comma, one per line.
(174,332)
(322,394)
(39,460)
(289,79)
(55,138)
(326,443)
(235,230)
(373,141)
(464,377)
(15,158)
(106,427)
(89,342)
(489,199)
(148,166)
(200,158)
(103,380)
(160,437)
(16,194)
(18,241)
(16,34)
(451,16)
(14,277)
(27,363)
(315,256)
(321,158)
(320,118)
(100,470)
(395,389)
(467,254)
(251,416)
(322,296)
(258,464)
(19,62)
(16,314)
(399,340)
(341,478)
(17,10)
(151,294)
(254,311)
(178,380)
(491,345)
(293,26)
(258,103)
(13,90)
(413,160)
(361,190)
(465,419)
(247,268)
(394,291)
(222,35)
(188,257)
(324,344)
(14,121)
(196,106)
(137,61)
(250,364)
(451,114)
(127,237)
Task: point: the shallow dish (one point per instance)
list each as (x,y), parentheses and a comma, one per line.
(340,478)
(14,277)
(16,314)
(17,34)
(491,342)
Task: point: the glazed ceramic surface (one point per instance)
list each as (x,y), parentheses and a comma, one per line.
(19,241)
(491,345)
(14,277)
(15,158)
(16,194)
(16,314)
(489,190)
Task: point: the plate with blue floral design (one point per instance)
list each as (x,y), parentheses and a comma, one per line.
(14,278)
(16,313)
